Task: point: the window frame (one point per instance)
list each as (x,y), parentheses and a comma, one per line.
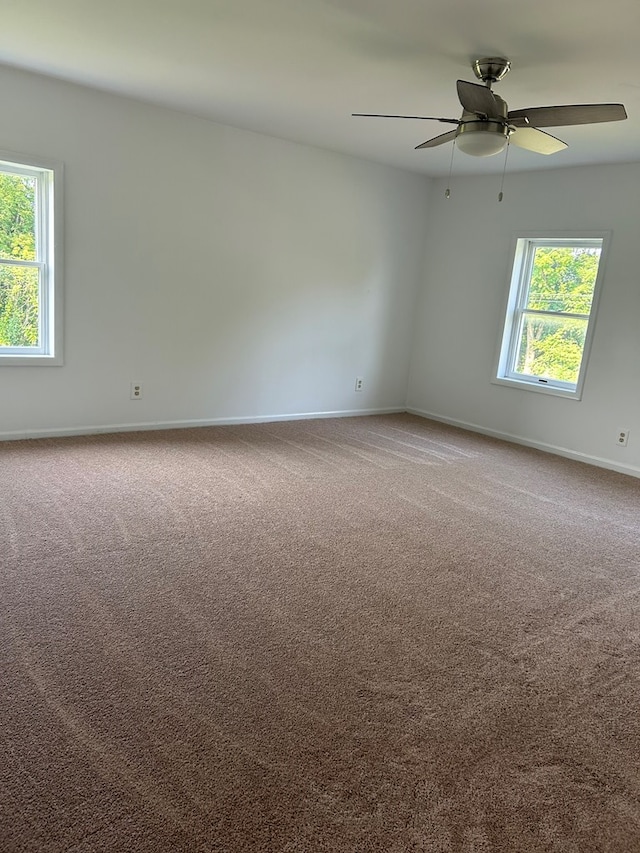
(521,255)
(49,259)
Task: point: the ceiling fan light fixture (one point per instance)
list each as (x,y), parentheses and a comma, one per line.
(482,138)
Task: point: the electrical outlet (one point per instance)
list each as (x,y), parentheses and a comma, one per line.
(623,437)
(135,390)
(359,383)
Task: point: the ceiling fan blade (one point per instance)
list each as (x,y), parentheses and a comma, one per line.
(424,118)
(478,99)
(536,140)
(567,115)
(439,140)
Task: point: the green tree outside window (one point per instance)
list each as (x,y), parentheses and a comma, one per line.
(19,285)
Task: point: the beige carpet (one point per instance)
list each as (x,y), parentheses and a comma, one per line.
(371,634)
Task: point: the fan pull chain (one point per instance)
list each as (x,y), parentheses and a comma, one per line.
(447,192)
(506,157)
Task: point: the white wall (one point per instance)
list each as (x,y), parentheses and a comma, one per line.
(461,308)
(234,275)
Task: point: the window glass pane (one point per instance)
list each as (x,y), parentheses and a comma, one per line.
(550,347)
(563,279)
(17,217)
(19,306)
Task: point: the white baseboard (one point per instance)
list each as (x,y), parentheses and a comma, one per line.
(600,462)
(101,429)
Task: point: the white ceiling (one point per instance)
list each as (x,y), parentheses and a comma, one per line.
(298,68)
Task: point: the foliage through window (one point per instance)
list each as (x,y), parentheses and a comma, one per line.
(29,303)
(550,312)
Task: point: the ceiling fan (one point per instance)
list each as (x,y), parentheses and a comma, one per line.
(487,125)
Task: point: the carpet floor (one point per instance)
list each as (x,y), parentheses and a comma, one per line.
(335,636)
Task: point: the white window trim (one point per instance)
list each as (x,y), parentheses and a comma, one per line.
(516,280)
(50,232)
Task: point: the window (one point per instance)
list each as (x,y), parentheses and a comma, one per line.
(551,312)
(30,262)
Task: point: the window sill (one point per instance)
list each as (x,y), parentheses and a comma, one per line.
(30,361)
(538,388)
